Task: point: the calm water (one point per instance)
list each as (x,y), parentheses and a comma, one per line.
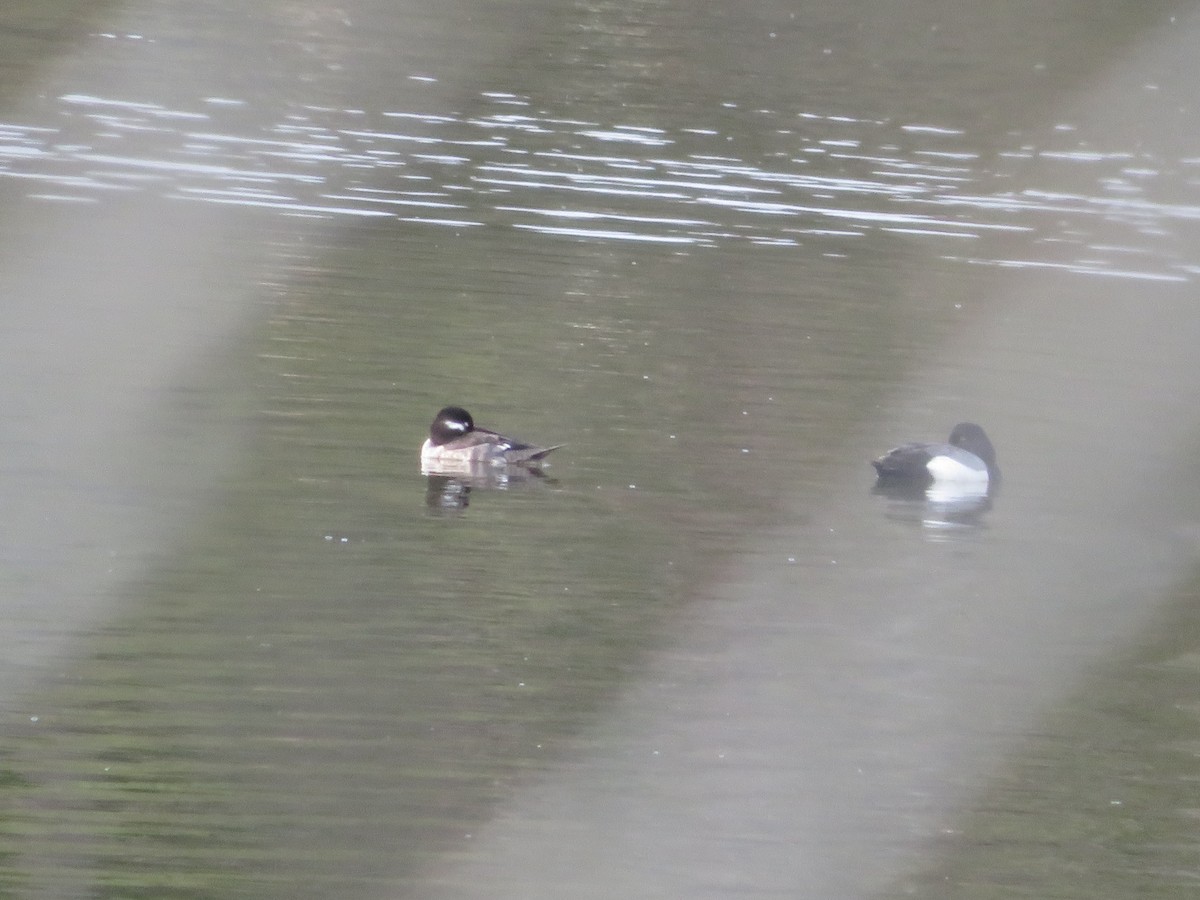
(726,257)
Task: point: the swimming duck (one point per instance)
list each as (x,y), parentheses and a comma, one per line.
(968,458)
(454,438)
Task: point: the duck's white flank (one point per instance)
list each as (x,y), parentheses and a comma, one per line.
(946,468)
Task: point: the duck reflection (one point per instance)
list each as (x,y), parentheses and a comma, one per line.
(938,506)
(449,483)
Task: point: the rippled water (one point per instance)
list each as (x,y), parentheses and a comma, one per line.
(814,178)
(726,259)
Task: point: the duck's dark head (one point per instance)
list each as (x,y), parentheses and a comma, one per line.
(970,437)
(451,422)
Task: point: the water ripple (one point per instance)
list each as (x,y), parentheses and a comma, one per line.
(812,177)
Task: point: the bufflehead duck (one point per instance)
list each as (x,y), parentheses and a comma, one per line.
(454,438)
(967,459)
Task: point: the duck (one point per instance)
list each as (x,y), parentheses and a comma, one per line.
(967,459)
(454,438)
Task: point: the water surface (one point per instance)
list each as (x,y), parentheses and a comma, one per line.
(726,259)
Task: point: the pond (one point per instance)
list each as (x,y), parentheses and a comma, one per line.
(725,256)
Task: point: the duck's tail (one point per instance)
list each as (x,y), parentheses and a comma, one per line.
(534,454)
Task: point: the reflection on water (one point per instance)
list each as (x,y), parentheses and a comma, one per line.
(939,508)
(818,178)
(449,484)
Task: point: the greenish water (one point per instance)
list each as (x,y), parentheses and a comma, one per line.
(254,661)
(1099,798)
(328,679)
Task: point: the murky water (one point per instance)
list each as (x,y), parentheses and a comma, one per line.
(726,258)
